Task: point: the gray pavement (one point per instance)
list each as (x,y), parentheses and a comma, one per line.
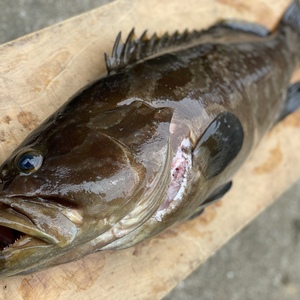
(262,262)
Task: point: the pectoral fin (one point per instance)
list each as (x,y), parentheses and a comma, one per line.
(217,194)
(219,145)
(213,197)
(292,101)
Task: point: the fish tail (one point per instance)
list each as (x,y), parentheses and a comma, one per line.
(292,17)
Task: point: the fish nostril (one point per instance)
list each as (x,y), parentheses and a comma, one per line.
(4,172)
(6,175)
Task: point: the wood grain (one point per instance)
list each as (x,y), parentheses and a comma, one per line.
(39,72)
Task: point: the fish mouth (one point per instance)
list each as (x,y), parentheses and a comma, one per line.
(9,236)
(25,223)
(15,227)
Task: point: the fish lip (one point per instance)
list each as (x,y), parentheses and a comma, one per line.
(16,214)
(30,231)
(22,224)
(16,259)
(24,243)
(39,244)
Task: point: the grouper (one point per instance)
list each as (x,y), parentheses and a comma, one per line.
(149,145)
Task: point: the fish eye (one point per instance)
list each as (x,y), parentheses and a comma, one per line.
(29,161)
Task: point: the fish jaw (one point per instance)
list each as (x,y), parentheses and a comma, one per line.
(25,238)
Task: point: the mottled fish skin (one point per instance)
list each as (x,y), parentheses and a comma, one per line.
(145,147)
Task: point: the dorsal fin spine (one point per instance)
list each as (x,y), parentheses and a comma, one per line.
(128,46)
(135,49)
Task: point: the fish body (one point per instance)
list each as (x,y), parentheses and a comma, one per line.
(149,145)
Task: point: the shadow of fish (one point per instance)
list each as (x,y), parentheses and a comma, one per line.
(149,145)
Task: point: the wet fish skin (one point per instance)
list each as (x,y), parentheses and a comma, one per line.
(109,154)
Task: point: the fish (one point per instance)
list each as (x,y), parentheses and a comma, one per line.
(149,145)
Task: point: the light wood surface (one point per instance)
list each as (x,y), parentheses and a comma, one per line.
(41,71)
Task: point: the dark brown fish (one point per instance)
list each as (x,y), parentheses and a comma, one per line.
(149,145)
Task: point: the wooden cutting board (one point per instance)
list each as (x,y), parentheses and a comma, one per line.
(41,71)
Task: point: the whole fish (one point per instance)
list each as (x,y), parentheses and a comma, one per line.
(149,145)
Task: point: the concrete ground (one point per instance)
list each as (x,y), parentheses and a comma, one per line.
(262,262)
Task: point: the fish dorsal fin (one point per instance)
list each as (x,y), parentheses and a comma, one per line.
(135,49)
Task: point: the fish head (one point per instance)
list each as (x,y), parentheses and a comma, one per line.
(75,178)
